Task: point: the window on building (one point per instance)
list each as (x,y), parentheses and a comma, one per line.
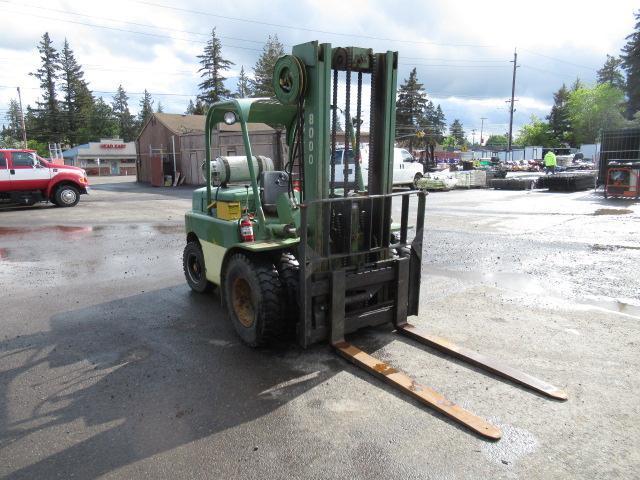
(22,159)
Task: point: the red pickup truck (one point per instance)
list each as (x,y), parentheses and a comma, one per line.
(26,178)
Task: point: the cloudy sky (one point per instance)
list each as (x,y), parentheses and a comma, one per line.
(461,49)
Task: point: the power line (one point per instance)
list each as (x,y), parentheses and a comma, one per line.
(148,34)
(67,12)
(278,25)
(560,60)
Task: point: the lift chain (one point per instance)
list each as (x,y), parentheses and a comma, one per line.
(334,122)
(356,154)
(347,130)
(372,122)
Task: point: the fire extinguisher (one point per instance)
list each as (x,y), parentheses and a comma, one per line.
(246,228)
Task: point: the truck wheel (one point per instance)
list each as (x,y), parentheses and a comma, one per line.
(416,179)
(253,295)
(194,267)
(66,196)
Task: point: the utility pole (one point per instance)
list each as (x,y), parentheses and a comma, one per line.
(513,93)
(482,119)
(24,130)
(473,135)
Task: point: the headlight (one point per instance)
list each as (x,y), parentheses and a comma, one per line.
(229,118)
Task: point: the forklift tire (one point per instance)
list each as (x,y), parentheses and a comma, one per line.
(66,196)
(289,271)
(254,298)
(194,267)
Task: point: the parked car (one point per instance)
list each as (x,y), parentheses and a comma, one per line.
(406,170)
(26,178)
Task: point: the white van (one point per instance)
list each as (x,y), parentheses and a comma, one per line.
(406,170)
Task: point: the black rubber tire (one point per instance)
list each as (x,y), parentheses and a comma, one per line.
(264,320)
(289,271)
(66,196)
(194,268)
(416,179)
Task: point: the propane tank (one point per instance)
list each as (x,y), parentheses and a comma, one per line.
(246,229)
(235,169)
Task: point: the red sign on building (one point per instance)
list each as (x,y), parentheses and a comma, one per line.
(112,145)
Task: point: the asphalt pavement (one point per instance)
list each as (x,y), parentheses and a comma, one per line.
(111,367)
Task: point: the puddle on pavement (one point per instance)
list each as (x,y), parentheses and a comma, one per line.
(506,280)
(612,211)
(610,248)
(524,283)
(614,305)
(63,229)
(168,229)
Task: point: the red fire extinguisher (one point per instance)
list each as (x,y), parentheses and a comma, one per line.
(246,229)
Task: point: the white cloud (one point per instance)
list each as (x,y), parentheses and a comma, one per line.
(461,49)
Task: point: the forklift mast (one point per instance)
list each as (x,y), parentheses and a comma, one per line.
(355,271)
(325,68)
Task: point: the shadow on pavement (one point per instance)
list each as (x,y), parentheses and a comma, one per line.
(165,367)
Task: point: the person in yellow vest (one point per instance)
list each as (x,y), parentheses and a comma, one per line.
(550,162)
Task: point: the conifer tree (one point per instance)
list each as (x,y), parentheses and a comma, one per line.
(122,115)
(213,66)
(457,132)
(410,107)
(261,84)
(242,89)
(631,64)
(77,96)
(559,116)
(146,109)
(47,117)
(610,72)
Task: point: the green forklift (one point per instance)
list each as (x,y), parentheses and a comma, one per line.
(298,254)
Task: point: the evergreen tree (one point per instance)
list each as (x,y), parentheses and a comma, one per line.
(242,89)
(457,132)
(577,85)
(261,84)
(410,107)
(559,116)
(102,122)
(76,93)
(146,109)
(197,108)
(13,125)
(610,72)
(160,108)
(212,69)
(122,115)
(631,64)
(46,120)
(440,124)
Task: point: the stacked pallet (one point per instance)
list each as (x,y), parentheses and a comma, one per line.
(521,183)
(471,179)
(568,182)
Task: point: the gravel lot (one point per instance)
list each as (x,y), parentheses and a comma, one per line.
(110,367)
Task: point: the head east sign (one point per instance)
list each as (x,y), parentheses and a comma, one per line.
(112,145)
